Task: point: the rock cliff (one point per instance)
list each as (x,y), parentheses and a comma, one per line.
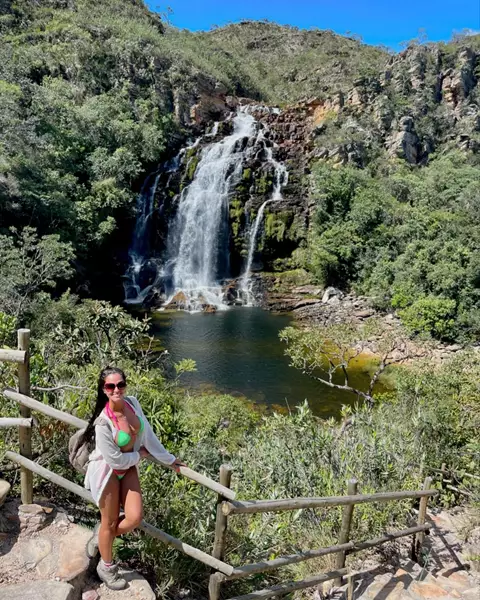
(423,100)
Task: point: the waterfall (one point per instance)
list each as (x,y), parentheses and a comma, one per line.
(281,178)
(196,258)
(142,273)
(198,241)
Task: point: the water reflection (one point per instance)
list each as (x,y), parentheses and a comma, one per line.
(238,352)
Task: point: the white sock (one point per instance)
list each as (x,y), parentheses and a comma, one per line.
(107,565)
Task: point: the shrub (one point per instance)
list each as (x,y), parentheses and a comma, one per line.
(431,316)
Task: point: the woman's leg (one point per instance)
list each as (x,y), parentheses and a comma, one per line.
(131,498)
(109,511)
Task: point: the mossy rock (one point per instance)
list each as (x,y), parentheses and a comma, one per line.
(192,167)
(190,152)
(263,185)
(237,220)
(246,174)
(285,225)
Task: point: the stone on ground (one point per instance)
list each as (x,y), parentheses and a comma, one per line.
(37,590)
(137,588)
(35,551)
(73,559)
(63,558)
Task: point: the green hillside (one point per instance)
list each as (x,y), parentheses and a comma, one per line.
(279,64)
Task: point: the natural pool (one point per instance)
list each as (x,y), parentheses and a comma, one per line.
(238,352)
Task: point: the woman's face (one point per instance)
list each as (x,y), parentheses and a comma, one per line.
(112,389)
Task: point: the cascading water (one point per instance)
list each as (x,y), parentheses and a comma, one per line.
(197,248)
(143,273)
(280,180)
(198,240)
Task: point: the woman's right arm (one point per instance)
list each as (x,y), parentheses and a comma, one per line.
(113,456)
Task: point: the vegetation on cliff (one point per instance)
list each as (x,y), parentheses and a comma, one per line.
(407,238)
(278,63)
(95,95)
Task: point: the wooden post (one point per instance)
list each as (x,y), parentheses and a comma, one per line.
(422,513)
(345,529)
(443,473)
(350,588)
(220,533)
(25,433)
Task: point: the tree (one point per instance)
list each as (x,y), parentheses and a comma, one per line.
(30,264)
(326,353)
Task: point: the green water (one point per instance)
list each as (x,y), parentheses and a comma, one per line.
(238,352)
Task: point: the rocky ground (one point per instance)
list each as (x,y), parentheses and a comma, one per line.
(43,557)
(316,305)
(451,565)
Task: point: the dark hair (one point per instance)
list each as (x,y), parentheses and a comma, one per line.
(102,399)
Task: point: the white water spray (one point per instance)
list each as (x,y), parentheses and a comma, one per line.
(199,237)
(142,268)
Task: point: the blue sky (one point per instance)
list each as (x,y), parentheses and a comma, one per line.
(386,22)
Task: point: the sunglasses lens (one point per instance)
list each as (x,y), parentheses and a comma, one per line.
(111,386)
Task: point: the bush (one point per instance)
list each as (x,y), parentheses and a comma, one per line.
(431,316)
(401,236)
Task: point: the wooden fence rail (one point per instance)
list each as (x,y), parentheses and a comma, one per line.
(260,506)
(226,503)
(287,588)
(347,548)
(15,356)
(14,422)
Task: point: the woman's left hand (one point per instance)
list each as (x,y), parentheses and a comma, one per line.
(177,463)
(144,453)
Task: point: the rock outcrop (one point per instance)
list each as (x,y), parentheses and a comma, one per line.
(404,143)
(43,557)
(424,98)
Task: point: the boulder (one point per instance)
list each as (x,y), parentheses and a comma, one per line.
(209,308)
(179,301)
(38,590)
(364,314)
(230,294)
(330,293)
(308,289)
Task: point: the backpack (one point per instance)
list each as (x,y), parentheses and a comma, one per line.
(78,453)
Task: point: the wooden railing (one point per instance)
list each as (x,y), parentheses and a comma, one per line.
(447,477)
(227,505)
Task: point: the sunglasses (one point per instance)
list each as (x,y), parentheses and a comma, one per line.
(121,385)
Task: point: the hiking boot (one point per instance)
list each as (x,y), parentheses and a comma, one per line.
(92,544)
(111,577)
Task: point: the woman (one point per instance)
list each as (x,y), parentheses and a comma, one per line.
(122,437)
